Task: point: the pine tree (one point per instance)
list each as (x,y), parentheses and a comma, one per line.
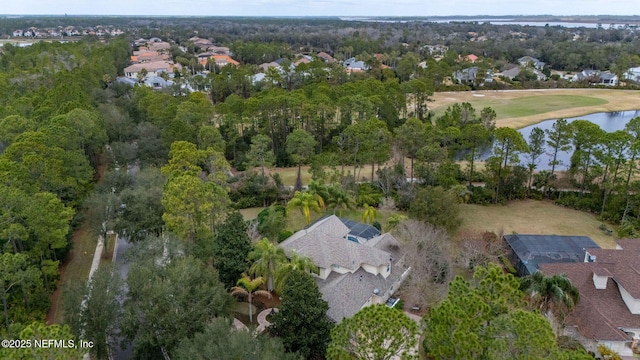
(302,321)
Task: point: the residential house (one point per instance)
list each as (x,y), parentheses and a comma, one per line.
(633,74)
(224,60)
(436,49)
(156,82)
(146,56)
(351,65)
(304,59)
(528,60)
(472,58)
(609,79)
(597,77)
(358,266)
(201,43)
(256,78)
(326,57)
(18,33)
(528,252)
(513,72)
(470,76)
(127,81)
(218,50)
(159,46)
(608,312)
(154,68)
(266,66)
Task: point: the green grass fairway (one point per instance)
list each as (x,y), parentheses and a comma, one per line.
(530,105)
(535,217)
(520,108)
(533,105)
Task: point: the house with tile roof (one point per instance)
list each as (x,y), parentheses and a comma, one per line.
(358,266)
(154,68)
(608,312)
(219,60)
(326,57)
(472,58)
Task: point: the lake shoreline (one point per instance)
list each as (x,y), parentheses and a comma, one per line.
(617,100)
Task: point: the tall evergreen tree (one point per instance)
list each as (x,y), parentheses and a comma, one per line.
(231,247)
(536,148)
(302,321)
(559,138)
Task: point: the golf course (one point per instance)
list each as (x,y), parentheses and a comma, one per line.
(520,108)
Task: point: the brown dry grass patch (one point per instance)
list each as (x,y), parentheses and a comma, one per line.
(534,217)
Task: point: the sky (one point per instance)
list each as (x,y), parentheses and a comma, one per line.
(320,7)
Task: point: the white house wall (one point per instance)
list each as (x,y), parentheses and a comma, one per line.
(324,273)
(371,269)
(632,304)
(618,346)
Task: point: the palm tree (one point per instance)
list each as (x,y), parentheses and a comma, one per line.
(545,292)
(394,220)
(296,262)
(320,191)
(306,202)
(249,287)
(266,257)
(369,214)
(338,198)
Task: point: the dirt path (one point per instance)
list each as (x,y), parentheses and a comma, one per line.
(55,296)
(78,261)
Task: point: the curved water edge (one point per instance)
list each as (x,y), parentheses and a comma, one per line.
(608,121)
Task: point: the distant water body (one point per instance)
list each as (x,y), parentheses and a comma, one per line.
(491,21)
(607,121)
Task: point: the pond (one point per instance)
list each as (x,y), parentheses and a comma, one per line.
(608,121)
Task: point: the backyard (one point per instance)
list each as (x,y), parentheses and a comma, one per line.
(535,217)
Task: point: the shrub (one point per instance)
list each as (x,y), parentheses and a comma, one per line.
(376,224)
(284,235)
(436,206)
(481,195)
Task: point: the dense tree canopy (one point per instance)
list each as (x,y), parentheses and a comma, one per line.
(376,332)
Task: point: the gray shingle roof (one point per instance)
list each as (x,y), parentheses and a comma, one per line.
(347,293)
(326,244)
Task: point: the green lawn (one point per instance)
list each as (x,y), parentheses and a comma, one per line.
(530,105)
